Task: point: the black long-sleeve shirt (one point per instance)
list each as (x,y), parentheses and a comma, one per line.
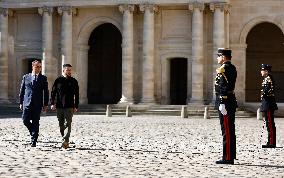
(65,92)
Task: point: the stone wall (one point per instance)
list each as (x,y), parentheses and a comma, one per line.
(172,38)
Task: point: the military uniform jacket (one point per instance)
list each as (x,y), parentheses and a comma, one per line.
(267,94)
(225,86)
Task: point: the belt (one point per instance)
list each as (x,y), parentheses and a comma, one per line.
(229,92)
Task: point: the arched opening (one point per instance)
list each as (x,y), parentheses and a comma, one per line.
(178,81)
(104,65)
(265,44)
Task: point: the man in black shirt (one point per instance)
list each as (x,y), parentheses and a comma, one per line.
(226,104)
(65,99)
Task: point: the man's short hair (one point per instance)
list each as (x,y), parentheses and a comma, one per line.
(36,61)
(66,65)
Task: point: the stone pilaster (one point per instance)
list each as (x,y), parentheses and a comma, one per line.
(219,37)
(82,66)
(227,25)
(148,88)
(4,55)
(66,33)
(197,53)
(239,54)
(48,65)
(127,53)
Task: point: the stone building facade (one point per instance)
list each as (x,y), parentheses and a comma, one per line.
(142,51)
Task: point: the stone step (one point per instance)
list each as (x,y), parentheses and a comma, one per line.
(170,110)
(164,112)
(143,107)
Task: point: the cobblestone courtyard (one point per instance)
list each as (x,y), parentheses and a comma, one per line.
(140,146)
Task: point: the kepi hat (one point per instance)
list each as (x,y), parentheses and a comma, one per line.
(225,52)
(266,67)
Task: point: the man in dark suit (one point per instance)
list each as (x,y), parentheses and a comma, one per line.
(268,104)
(226,104)
(33,98)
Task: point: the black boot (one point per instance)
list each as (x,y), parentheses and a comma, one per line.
(225,162)
(268,146)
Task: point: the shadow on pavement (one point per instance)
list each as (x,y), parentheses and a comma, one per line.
(259,165)
(19,115)
(10,116)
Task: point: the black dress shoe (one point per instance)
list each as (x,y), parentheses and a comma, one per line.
(33,144)
(225,162)
(268,146)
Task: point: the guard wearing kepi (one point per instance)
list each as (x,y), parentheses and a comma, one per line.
(268,105)
(226,104)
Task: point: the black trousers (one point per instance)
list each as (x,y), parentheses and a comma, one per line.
(31,119)
(229,136)
(270,126)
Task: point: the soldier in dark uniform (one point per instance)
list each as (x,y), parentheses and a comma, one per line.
(226,104)
(268,104)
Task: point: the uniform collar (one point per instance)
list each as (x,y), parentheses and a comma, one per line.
(227,62)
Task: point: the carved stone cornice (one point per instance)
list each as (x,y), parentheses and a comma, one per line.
(151,7)
(70,10)
(224,7)
(126,7)
(6,12)
(43,9)
(198,5)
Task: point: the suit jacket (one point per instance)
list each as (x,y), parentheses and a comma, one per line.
(34,94)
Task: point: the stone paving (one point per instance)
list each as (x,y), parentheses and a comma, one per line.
(140,146)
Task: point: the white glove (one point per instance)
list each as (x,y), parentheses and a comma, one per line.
(53,107)
(222,109)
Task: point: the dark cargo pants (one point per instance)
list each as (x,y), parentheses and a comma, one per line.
(64,116)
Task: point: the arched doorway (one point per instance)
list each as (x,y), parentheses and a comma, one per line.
(178,81)
(265,44)
(104,65)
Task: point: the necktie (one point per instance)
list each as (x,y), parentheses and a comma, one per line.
(34,80)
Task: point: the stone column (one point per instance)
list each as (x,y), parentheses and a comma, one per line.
(227,23)
(82,71)
(127,53)
(66,34)
(238,59)
(219,37)
(48,68)
(148,88)
(4,55)
(197,53)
